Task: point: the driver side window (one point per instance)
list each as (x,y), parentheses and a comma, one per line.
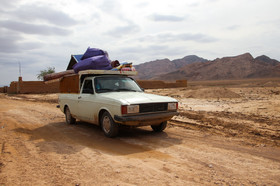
(87,88)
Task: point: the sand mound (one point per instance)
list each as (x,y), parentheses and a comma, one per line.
(271,84)
(210,93)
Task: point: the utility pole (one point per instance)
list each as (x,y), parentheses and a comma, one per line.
(19,78)
(19,64)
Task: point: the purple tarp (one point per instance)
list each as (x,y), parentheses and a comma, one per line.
(91,52)
(100,62)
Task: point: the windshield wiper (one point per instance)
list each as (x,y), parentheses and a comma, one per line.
(105,90)
(124,89)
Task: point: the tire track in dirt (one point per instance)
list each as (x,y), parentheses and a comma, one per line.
(262,129)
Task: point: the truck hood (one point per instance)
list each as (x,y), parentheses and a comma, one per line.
(136,97)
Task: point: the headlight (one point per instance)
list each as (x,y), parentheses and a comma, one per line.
(173,106)
(130,109)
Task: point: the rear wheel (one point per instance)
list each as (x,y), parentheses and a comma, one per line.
(68,117)
(109,127)
(160,127)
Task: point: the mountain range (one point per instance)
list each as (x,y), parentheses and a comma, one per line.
(196,68)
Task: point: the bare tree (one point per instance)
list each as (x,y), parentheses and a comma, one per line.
(42,73)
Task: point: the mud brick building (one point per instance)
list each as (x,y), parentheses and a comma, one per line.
(34,87)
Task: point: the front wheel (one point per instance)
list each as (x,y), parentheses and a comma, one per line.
(68,117)
(109,127)
(160,127)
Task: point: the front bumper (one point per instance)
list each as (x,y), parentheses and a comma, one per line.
(145,119)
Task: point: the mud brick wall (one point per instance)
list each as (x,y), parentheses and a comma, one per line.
(36,87)
(3,89)
(13,89)
(32,87)
(150,84)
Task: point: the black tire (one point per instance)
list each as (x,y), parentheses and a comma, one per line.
(68,117)
(160,127)
(109,127)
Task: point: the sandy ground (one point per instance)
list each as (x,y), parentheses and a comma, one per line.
(223,136)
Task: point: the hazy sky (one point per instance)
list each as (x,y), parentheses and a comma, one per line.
(40,33)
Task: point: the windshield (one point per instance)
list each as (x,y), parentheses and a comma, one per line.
(115,84)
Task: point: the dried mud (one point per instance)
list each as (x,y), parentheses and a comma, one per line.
(222,136)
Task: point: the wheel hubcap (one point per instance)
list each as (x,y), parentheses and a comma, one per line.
(106,124)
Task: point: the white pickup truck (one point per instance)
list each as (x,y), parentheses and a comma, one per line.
(111,99)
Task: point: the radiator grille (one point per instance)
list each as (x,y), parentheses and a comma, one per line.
(153,107)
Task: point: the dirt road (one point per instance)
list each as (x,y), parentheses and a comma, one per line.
(213,141)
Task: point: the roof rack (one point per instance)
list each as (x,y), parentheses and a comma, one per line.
(127,73)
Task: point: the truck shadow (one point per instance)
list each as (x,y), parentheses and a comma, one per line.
(69,139)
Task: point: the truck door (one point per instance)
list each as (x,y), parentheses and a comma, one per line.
(86,104)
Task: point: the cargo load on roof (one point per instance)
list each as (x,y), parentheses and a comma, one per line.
(92,59)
